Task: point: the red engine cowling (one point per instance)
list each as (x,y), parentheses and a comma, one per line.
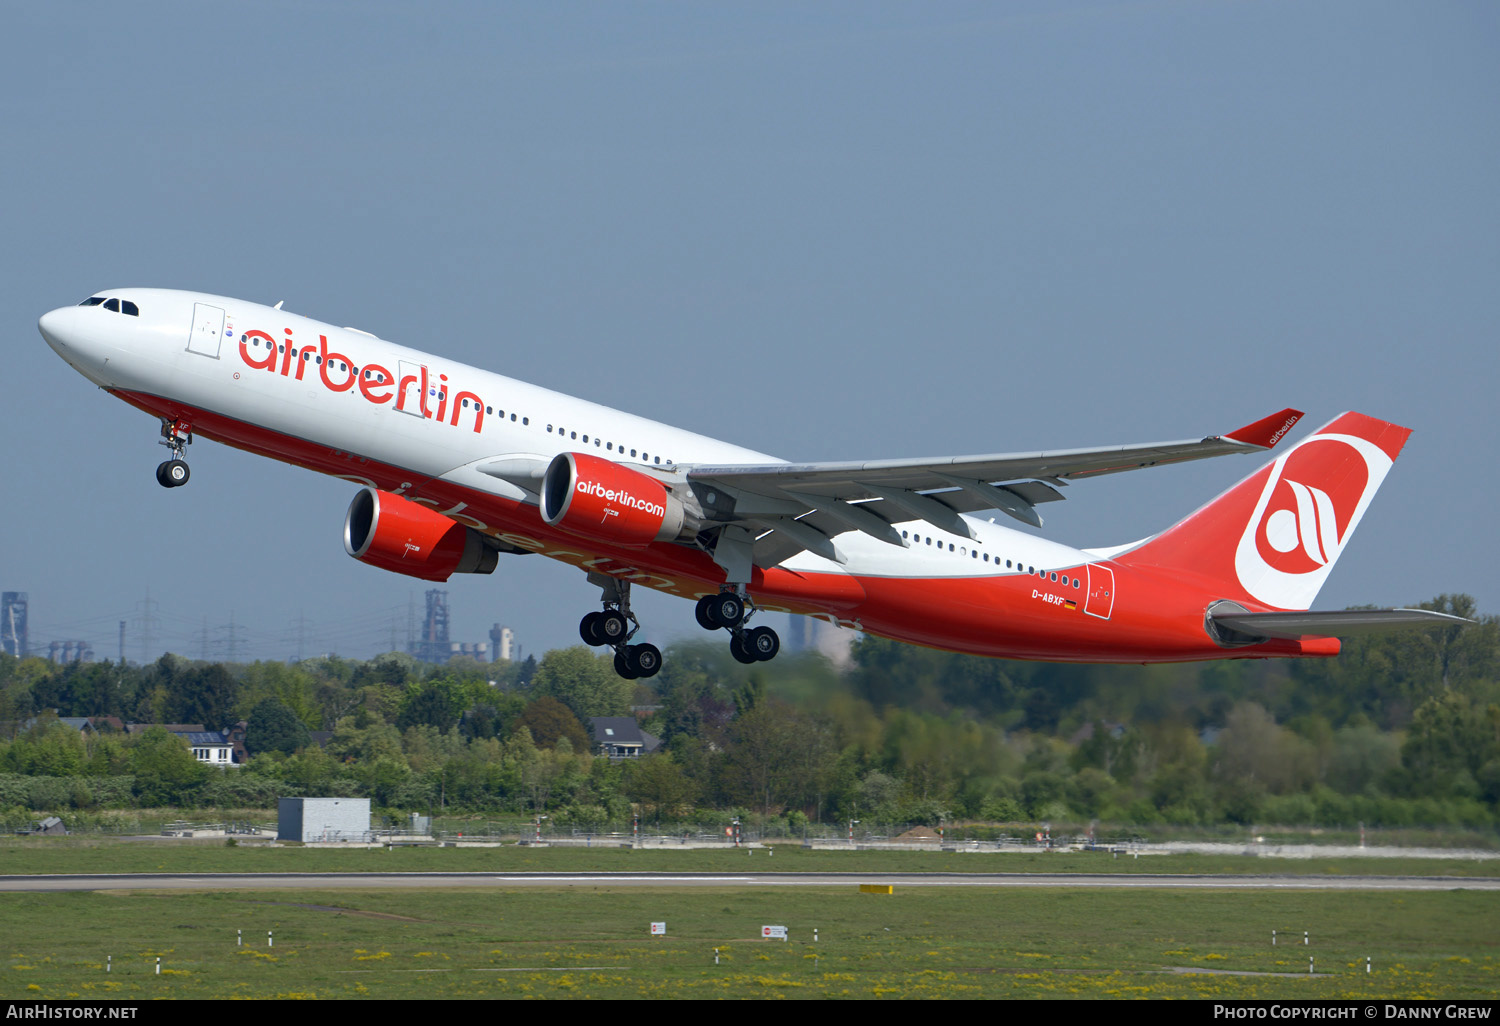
(405,537)
(595,498)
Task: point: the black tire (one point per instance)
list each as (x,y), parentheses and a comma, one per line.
(622,667)
(176,472)
(643,660)
(701,612)
(161,476)
(613,627)
(588,629)
(739,651)
(726,610)
(763,643)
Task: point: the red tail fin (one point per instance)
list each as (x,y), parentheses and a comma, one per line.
(1273,538)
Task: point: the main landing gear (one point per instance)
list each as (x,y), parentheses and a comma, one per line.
(614,626)
(727,610)
(176,435)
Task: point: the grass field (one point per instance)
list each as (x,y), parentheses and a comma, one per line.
(112,855)
(928,942)
(594,941)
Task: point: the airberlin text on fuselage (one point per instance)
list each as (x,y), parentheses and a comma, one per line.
(374,381)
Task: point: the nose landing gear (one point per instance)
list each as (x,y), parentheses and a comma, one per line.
(613,627)
(176,435)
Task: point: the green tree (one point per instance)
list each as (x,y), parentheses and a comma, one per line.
(660,786)
(202,694)
(436,703)
(584,682)
(166,773)
(273,727)
(549,720)
(1449,740)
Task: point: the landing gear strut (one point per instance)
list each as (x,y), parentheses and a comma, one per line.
(728,610)
(613,627)
(176,435)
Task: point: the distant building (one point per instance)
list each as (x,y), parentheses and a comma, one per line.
(432,646)
(171,728)
(809,634)
(620,737)
(13,624)
(92,724)
(210,746)
(70,652)
(502,642)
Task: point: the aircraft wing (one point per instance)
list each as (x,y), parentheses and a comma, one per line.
(810,503)
(1335,624)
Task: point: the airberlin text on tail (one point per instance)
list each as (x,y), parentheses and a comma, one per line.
(1272,539)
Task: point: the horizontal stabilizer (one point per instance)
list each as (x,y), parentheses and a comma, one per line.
(1334,624)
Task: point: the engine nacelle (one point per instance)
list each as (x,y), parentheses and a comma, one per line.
(405,537)
(597,499)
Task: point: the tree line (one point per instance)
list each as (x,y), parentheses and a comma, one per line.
(1402,729)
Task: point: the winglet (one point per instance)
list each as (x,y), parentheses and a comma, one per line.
(1267,432)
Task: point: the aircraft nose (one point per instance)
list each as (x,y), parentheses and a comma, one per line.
(53,326)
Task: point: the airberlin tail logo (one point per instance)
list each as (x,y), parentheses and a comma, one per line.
(1313,525)
(1313,499)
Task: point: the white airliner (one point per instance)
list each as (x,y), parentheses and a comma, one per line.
(457,466)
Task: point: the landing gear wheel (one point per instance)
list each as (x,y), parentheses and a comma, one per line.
(588,629)
(645,660)
(613,627)
(739,651)
(762,643)
(622,666)
(172,474)
(726,610)
(701,612)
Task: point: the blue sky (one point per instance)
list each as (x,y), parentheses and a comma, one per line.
(826,231)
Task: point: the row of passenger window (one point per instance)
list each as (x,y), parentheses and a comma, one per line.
(124,306)
(608,446)
(975,553)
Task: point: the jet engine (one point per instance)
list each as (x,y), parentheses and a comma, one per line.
(405,537)
(603,501)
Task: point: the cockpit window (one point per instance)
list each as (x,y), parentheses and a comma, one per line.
(113,305)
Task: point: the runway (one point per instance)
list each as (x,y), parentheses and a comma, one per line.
(724,881)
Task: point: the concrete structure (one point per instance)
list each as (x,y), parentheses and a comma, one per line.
(323,819)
